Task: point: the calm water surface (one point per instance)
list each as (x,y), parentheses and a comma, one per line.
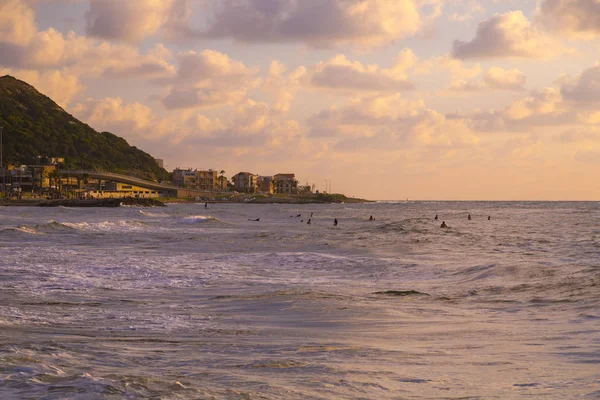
(185,302)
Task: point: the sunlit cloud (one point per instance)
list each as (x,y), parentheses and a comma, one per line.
(507,35)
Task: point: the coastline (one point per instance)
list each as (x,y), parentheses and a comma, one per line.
(153,202)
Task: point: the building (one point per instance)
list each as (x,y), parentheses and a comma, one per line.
(207,180)
(245,182)
(160,162)
(117,190)
(285,183)
(184,177)
(265,184)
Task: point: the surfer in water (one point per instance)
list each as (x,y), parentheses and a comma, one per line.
(335,222)
(254,220)
(443,225)
(308,223)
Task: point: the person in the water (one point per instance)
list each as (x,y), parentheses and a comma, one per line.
(469,217)
(335,222)
(371,218)
(308,223)
(443,225)
(205,205)
(489,217)
(254,220)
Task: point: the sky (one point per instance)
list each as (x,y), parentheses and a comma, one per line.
(378,99)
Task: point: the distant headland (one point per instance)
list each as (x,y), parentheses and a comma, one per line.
(48,156)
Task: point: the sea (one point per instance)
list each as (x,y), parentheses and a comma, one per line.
(206,302)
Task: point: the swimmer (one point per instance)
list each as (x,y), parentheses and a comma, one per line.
(308,223)
(469,217)
(489,217)
(443,225)
(254,220)
(371,218)
(436,217)
(335,222)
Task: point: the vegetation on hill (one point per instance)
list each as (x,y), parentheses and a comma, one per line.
(35,128)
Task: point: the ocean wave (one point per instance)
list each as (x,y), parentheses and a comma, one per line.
(40,229)
(121,225)
(153,215)
(198,219)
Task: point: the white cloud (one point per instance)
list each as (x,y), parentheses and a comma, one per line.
(501,79)
(507,35)
(17,22)
(387,124)
(208,79)
(338,73)
(281,88)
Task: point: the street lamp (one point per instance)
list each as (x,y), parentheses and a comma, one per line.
(326,181)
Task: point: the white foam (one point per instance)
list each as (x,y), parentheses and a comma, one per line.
(195,219)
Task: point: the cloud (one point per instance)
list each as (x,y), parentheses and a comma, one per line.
(501,79)
(539,108)
(320,23)
(126,20)
(579,19)
(388,124)
(51,49)
(495,78)
(208,79)
(17,22)
(507,35)
(60,86)
(249,127)
(468,12)
(338,73)
(282,89)
(111,114)
(573,101)
(584,89)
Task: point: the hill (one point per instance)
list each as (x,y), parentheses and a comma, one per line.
(35,126)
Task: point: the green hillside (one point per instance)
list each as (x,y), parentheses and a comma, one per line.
(35,126)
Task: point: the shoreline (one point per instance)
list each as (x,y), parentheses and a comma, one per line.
(153,202)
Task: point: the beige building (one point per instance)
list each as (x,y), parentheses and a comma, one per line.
(183,177)
(265,184)
(245,182)
(285,183)
(207,180)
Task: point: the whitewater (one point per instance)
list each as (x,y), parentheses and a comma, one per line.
(188,302)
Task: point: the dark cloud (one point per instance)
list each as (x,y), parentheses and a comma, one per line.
(573,17)
(316,22)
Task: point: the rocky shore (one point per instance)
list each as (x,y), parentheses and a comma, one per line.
(129,201)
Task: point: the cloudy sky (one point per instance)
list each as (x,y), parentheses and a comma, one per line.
(386,99)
